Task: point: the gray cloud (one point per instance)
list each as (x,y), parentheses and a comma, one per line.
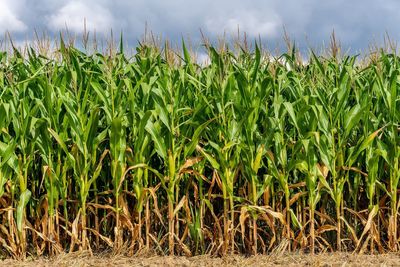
(309,22)
(9,19)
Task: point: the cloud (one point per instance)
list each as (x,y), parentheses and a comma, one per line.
(308,22)
(203,59)
(9,20)
(248,22)
(75,13)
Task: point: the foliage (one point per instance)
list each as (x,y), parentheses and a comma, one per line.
(243,155)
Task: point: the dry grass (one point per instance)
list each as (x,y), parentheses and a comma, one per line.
(285,259)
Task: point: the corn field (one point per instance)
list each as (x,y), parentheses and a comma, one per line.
(155,152)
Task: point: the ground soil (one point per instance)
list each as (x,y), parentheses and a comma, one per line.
(284,259)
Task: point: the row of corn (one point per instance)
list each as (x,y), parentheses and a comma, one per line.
(154,152)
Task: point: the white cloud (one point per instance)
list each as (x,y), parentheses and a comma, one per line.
(251,24)
(74,13)
(308,22)
(9,20)
(203,59)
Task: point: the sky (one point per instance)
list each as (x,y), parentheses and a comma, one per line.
(357,23)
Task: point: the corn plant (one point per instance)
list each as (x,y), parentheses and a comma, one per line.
(153,151)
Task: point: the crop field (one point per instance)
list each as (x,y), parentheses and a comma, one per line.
(250,154)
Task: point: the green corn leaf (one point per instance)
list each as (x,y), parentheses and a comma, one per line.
(23,201)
